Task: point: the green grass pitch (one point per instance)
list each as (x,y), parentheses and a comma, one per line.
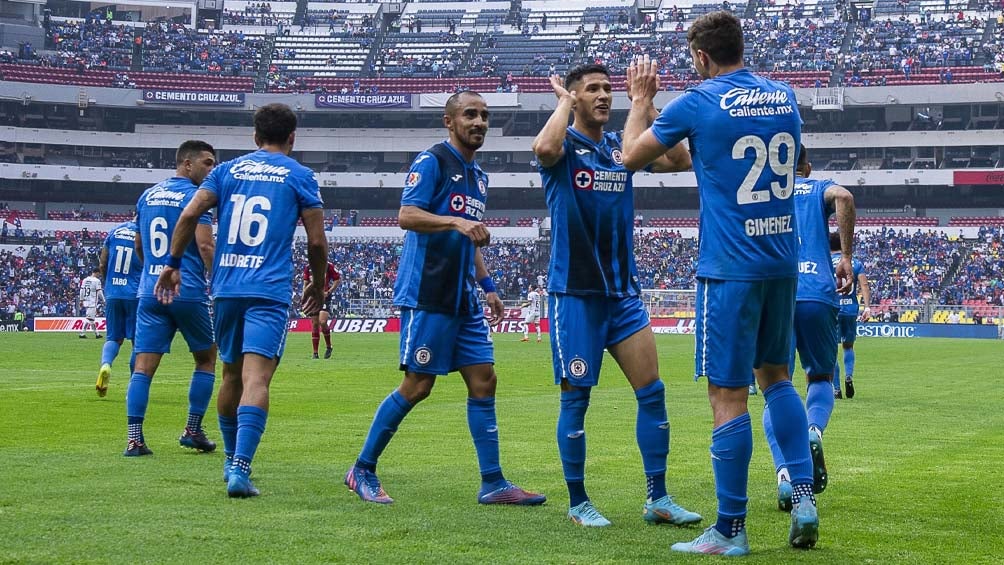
(915,462)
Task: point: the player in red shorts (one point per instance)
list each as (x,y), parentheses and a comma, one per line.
(319,322)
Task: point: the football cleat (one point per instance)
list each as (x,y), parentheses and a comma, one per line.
(327,353)
(819,475)
(315,356)
(136,448)
(104,375)
(511,494)
(712,542)
(82,336)
(525,339)
(837,394)
(196,439)
(665,511)
(585,514)
(366,484)
(239,484)
(804,524)
(784,494)
(98,336)
(849,385)
(228,461)
(539,340)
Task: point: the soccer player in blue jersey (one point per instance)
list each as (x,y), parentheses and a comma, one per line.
(443,326)
(121,269)
(744,132)
(593,286)
(259,198)
(815,331)
(849,316)
(157,215)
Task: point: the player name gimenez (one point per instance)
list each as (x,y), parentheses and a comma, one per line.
(772,225)
(241,261)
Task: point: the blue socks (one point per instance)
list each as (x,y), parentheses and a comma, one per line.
(768,432)
(731,451)
(228,429)
(388,416)
(250,427)
(572,442)
(109,352)
(819,403)
(137,398)
(652,434)
(849,363)
(792,430)
(199,393)
(485,433)
(836,376)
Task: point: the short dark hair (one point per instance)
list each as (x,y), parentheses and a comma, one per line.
(803,157)
(273,123)
(580,71)
(834,241)
(453,102)
(191,149)
(720,35)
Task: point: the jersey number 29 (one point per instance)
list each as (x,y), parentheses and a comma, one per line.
(766,155)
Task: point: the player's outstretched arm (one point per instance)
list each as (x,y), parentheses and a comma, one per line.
(317,256)
(549,145)
(866,294)
(485,281)
(640,146)
(418,220)
(842,201)
(677,158)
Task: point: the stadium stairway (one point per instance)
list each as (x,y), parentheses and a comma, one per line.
(965,251)
(515,7)
(137,51)
(838,70)
(260,81)
(301,12)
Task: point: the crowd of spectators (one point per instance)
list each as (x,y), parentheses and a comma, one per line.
(903,268)
(89,44)
(174,47)
(256,14)
(780,43)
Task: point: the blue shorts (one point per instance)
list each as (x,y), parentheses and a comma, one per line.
(156,325)
(740,326)
(848,328)
(582,326)
(120,318)
(815,337)
(250,325)
(433,343)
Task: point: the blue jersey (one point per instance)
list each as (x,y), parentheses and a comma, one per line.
(744,132)
(815,271)
(436,272)
(158,210)
(591,202)
(849,302)
(260,197)
(124,267)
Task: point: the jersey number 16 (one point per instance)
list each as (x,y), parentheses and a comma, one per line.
(245,222)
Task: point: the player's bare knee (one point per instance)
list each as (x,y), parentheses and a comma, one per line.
(416,388)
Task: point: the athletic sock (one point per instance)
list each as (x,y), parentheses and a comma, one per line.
(199,392)
(315,338)
(849,363)
(250,427)
(768,432)
(485,432)
(572,441)
(819,403)
(652,434)
(802,489)
(388,416)
(731,451)
(836,376)
(137,398)
(791,429)
(109,352)
(228,429)
(327,336)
